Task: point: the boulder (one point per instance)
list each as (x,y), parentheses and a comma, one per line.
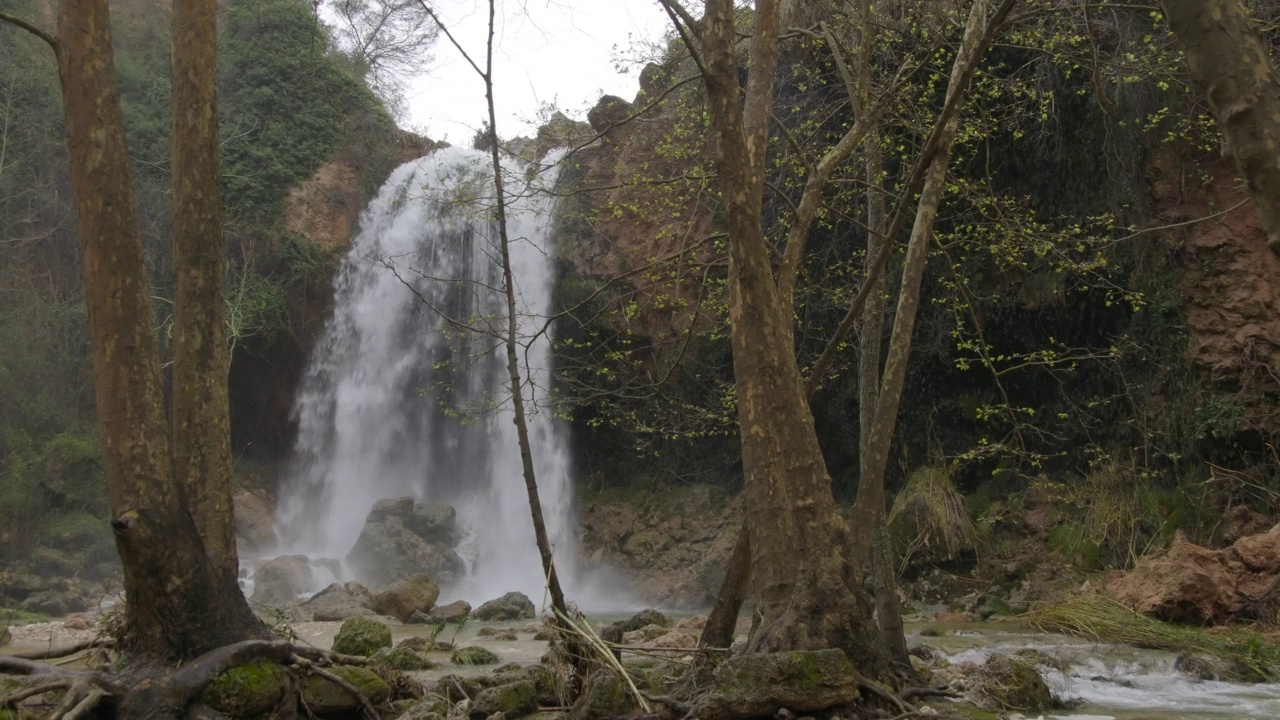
(643,619)
(255,526)
(455,612)
(401,658)
(693,623)
(1194,585)
(402,538)
(759,685)
(512,606)
(55,603)
(413,594)
(340,602)
(1006,683)
(604,695)
(323,697)
(609,111)
(512,700)
(644,634)
(280,580)
(246,691)
(673,640)
(362,637)
(474,655)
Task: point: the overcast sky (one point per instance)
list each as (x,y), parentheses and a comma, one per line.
(561,51)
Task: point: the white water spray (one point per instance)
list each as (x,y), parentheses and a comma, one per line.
(407,393)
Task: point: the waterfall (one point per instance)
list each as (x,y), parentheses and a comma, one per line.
(407,393)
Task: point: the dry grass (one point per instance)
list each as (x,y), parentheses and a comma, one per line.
(929,518)
(1100,618)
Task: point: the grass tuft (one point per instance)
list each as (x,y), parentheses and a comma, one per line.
(929,518)
(1100,618)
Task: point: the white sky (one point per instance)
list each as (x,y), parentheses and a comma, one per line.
(547,51)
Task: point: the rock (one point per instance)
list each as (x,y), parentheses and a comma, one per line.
(653,80)
(423,645)
(609,111)
(604,695)
(512,700)
(53,563)
(280,580)
(415,593)
(644,634)
(1041,519)
(340,602)
(1194,585)
(953,617)
(401,658)
(390,547)
(6,637)
(362,637)
(55,603)
(1209,668)
(674,640)
(1007,683)
(455,612)
(474,655)
(246,691)
(759,685)
(77,621)
(694,623)
(255,526)
(321,696)
(642,619)
(512,606)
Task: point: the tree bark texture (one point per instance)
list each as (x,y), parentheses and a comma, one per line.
(173,612)
(1229,64)
(805,589)
(869,503)
(723,620)
(201,425)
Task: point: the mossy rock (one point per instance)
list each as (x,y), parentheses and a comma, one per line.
(401,658)
(362,637)
(474,655)
(1013,684)
(323,696)
(643,619)
(761,684)
(246,691)
(6,637)
(604,695)
(512,700)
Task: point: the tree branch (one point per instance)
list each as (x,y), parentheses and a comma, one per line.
(31,28)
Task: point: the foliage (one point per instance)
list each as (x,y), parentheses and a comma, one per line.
(929,519)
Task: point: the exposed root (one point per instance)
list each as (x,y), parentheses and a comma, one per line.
(89,697)
(17,697)
(904,707)
(53,653)
(308,666)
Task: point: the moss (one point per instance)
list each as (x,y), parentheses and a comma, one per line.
(401,658)
(246,691)
(474,655)
(362,637)
(1014,684)
(323,696)
(6,637)
(514,699)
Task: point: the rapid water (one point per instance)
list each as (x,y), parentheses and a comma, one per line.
(1113,682)
(408,394)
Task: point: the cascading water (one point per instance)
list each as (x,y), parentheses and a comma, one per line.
(407,393)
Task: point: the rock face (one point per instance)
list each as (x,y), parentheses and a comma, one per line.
(454,612)
(402,538)
(512,606)
(609,111)
(1191,584)
(413,594)
(280,580)
(760,685)
(255,528)
(340,602)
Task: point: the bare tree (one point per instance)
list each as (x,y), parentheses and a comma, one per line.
(391,39)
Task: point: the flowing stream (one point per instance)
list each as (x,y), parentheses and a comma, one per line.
(1112,681)
(407,393)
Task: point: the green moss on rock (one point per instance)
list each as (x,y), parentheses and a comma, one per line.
(474,655)
(246,691)
(402,659)
(362,637)
(324,696)
(1008,683)
(514,699)
(604,695)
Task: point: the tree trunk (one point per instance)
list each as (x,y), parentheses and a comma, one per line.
(723,621)
(869,503)
(201,425)
(173,612)
(888,610)
(805,589)
(1229,64)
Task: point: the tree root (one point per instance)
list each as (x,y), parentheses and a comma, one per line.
(152,690)
(62,652)
(905,708)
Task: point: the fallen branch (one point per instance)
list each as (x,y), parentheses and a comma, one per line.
(365,703)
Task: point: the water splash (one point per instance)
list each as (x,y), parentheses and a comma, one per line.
(407,392)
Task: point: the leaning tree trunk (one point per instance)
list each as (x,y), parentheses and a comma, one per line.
(173,611)
(806,593)
(1229,63)
(201,413)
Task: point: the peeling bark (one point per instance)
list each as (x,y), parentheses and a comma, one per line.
(1229,64)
